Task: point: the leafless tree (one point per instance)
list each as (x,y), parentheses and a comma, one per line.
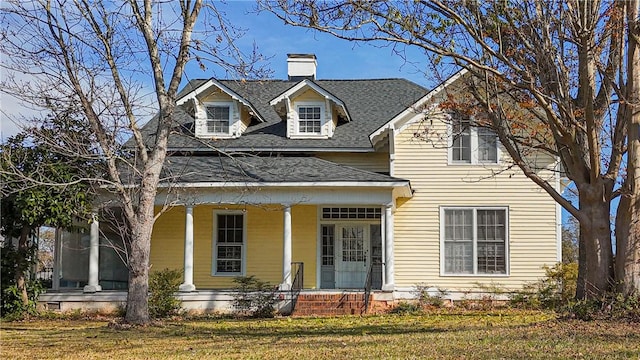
(554,76)
(117,62)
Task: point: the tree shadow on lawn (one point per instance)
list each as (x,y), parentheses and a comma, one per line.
(262,328)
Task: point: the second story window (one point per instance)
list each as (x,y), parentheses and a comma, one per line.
(309,119)
(461,142)
(472,144)
(218,118)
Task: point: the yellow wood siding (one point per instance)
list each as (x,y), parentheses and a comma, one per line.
(376,162)
(304,235)
(532,215)
(263,247)
(167,240)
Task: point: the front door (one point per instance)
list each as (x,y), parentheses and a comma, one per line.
(352,248)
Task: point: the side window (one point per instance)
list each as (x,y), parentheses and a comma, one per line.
(229,244)
(474,241)
(471,144)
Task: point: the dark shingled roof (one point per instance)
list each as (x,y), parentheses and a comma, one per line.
(370,103)
(224,169)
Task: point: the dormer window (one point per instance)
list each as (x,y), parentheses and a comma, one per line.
(218,119)
(310,119)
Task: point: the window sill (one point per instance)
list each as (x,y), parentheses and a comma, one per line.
(309,136)
(216,136)
(454,163)
(475,275)
(227,274)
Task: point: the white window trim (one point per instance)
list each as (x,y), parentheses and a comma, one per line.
(475,239)
(323,120)
(473,130)
(232,124)
(214,263)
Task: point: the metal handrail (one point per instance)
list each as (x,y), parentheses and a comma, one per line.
(367,289)
(297,283)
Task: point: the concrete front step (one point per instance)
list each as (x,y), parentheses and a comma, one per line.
(330,304)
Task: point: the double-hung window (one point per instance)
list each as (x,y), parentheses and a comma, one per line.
(218,119)
(472,144)
(474,241)
(310,119)
(229,244)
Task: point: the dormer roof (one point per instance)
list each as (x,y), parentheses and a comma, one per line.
(302,86)
(192,93)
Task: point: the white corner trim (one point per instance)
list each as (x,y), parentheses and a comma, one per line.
(558,188)
(411,109)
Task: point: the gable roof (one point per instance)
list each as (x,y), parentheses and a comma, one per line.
(371,103)
(396,122)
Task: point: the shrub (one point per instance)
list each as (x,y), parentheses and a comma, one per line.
(11,305)
(430,298)
(162,285)
(253,297)
(556,291)
(406,308)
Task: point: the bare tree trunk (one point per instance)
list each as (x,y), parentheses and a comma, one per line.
(582,260)
(628,215)
(23,248)
(595,274)
(138,291)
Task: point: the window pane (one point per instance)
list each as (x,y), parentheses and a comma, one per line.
(309,119)
(491,241)
(487,145)
(461,145)
(218,119)
(458,235)
(229,243)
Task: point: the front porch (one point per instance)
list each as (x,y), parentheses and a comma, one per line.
(342,234)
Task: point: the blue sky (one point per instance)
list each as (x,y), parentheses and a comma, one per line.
(337,59)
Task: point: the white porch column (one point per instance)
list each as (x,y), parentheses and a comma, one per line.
(94,257)
(187,285)
(388,249)
(286,255)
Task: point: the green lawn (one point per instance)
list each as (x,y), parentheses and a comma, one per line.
(486,335)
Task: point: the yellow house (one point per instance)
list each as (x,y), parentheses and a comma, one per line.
(341,185)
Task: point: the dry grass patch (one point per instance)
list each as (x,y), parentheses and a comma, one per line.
(477,335)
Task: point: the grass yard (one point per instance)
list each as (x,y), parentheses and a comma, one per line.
(442,335)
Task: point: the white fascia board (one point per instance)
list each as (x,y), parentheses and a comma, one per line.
(226,90)
(352,184)
(308,83)
(391,124)
(195,92)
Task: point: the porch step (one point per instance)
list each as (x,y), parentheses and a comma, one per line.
(330,304)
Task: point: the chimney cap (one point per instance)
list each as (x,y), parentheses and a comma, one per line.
(301,56)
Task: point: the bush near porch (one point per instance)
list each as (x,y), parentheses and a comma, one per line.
(443,334)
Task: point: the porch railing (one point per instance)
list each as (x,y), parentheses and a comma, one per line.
(297,283)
